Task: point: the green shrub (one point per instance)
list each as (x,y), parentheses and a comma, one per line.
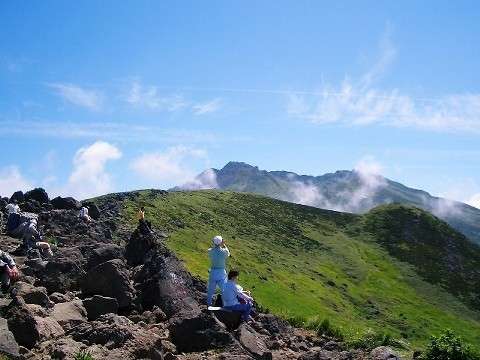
(83,355)
(296,321)
(371,339)
(448,346)
(324,327)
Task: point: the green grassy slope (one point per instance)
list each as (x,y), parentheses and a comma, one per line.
(308,262)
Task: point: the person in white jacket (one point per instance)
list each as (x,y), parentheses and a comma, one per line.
(8,270)
(235,298)
(218,255)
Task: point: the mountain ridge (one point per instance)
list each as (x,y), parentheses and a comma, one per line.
(355,191)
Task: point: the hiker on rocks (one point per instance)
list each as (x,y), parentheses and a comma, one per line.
(32,239)
(235,298)
(83,214)
(218,255)
(8,270)
(12,208)
(144,225)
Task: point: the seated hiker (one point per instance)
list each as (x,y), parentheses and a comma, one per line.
(12,208)
(8,270)
(218,255)
(32,239)
(144,225)
(83,214)
(234,298)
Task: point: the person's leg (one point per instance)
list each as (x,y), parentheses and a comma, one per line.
(212,285)
(4,278)
(245,309)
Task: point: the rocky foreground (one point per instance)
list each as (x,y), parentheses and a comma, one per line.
(117,294)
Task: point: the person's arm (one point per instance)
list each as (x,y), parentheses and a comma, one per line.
(226,251)
(6,259)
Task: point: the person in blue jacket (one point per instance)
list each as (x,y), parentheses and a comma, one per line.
(218,255)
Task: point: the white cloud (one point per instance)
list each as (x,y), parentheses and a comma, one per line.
(474,201)
(79,96)
(207,107)
(168,168)
(360,103)
(307,194)
(89,176)
(149,97)
(12,180)
(206,180)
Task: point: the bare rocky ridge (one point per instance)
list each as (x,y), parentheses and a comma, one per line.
(119,294)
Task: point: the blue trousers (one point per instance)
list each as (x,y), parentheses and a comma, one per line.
(216,278)
(245,309)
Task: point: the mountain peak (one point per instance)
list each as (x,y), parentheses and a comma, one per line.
(238,165)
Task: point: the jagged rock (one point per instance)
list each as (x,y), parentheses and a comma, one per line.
(97,306)
(231,319)
(103,253)
(60,274)
(93,210)
(165,283)
(65,203)
(109,279)
(31,206)
(27,327)
(17,196)
(69,314)
(8,345)
(109,330)
(273,324)
(138,246)
(31,294)
(37,194)
(253,343)
(65,348)
(57,297)
(3,204)
(383,353)
(197,332)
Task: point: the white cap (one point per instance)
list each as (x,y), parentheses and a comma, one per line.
(217,240)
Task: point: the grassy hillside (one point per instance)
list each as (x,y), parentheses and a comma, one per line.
(306,262)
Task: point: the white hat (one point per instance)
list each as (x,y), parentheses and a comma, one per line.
(217,240)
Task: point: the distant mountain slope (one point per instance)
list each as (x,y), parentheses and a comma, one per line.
(396,269)
(349,191)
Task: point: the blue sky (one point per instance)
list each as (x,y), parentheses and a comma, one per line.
(112,96)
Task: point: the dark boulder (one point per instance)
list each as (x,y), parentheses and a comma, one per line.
(231,319)
(138,246)
(93,210)
(251,341)
(37,194)
(109,279)
(69,314)
(3,204)
(111,330)
(65,203)
(8,345)
(31,206)
(98,305)
(29,328)
(198,332)
(103,253)
(17,196)
(31,294)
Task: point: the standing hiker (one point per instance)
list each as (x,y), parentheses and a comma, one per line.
(218,255)
(144,225)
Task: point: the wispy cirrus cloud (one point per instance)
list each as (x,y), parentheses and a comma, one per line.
(76,95)
(207,107)
(150,97)
(360,103)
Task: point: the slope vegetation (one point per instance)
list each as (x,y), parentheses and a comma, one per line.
(375,271)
